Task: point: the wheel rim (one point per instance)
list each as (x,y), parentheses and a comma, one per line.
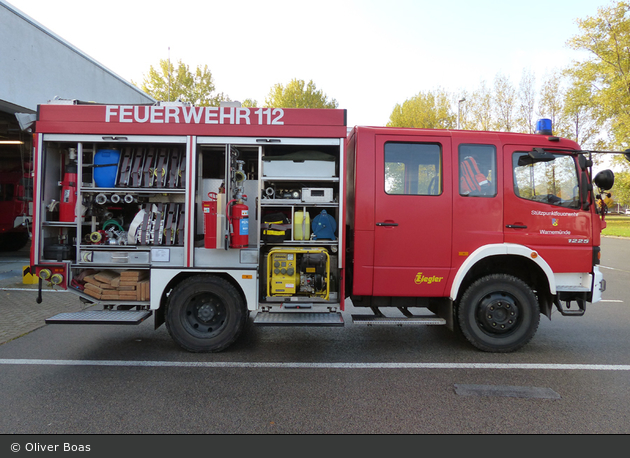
(498,313)
(205,315)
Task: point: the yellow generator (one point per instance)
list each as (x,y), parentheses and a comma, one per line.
(295,271)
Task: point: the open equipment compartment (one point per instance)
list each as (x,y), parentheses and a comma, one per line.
(300,209)
(110,207)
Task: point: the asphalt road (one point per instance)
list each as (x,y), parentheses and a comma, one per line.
(573,378)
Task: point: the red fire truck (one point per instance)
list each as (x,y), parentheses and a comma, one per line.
(200,216)
(15,209)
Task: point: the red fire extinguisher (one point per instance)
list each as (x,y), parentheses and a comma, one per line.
(68,201)
(239,223)
(210,221)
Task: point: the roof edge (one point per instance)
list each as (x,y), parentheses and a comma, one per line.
(70,46)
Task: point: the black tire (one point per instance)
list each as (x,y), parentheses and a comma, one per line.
(498,313)
(205,313)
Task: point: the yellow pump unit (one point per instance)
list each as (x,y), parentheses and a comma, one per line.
(295,271)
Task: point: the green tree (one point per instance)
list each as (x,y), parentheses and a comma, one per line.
(298,94)
(621,189)
(169,83)
(504,103)
(606,70)
(479,107)
(580,120)
(551,102)
(249,103)
(429,110)
(526,103)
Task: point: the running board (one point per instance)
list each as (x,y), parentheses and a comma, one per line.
(101,317)
(374,320)
(298,319)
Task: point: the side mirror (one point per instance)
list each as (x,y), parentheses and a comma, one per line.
(627,154)
(585,190)
(605,179)
(585,163)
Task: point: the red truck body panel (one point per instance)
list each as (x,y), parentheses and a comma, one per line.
(183,120)
(427,238)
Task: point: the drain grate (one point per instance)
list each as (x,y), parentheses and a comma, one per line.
(506,391)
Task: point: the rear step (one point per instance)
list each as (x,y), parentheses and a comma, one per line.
(101,317)
(298,319)
(581,303)
(412,320)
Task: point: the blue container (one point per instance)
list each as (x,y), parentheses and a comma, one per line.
(324,226)
(106,167)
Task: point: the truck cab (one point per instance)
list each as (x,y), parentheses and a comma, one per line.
(488,230)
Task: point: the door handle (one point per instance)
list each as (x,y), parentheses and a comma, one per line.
(387,224)
(516,226)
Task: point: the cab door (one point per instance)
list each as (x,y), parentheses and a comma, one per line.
(413,215)
(478,201)
(542,209)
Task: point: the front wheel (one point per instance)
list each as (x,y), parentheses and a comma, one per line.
(205,313)
(498,313)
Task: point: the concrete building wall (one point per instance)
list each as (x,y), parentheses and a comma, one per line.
(36,65)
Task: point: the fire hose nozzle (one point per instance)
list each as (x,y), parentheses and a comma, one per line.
(52,206)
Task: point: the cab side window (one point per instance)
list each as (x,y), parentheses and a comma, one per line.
(553,182)
(477,170)
(413,169)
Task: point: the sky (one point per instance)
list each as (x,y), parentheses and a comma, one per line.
(368,55)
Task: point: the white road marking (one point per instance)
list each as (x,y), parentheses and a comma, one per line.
(34,290)
(296,365)
(613,268)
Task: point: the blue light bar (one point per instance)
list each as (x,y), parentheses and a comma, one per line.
(543,127)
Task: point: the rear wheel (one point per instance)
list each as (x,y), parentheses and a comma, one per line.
(205,313)
(498,313)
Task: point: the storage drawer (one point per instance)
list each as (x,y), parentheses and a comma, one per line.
(298,168)
(115,257)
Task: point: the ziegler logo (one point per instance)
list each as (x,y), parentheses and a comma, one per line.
(428,280)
